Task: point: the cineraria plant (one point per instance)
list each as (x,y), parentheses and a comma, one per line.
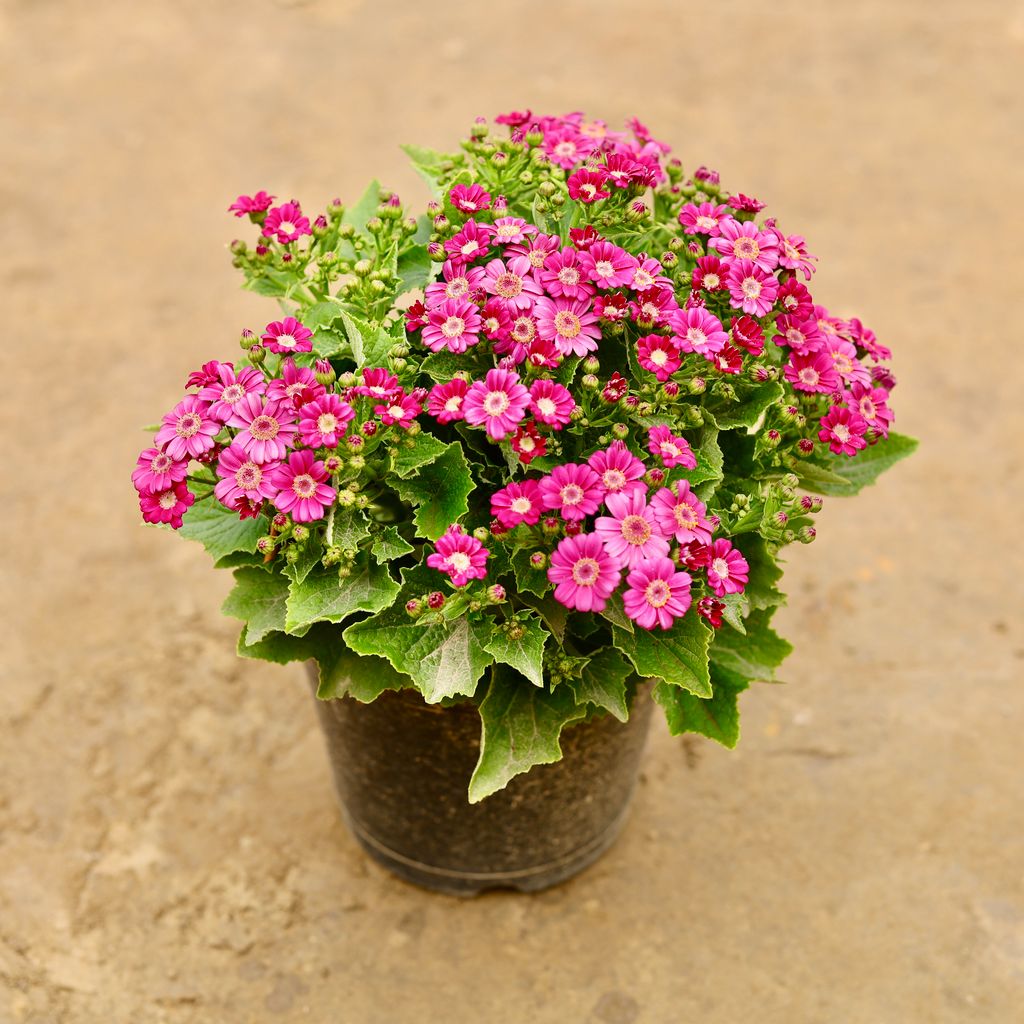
(542,442)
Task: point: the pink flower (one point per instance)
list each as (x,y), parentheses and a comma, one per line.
(457,282)
(400,408)
(619,470)
(709,274)
(750,288)
(801,334)
(584,574)
(869,403)
(207,375)
(697,330)
(528,444)
(250,204)
(574,490)
(569,324)
(745,204)
(498,403)
(747,334)
(445,400)
(518,503)
(562,275)
(287,222)
(452,325)
(269,428)
(793,254)
(648,274)
(296,385)
(188,430)
(551,403)
(167,506)
(658,593)
(866,339)
(607,265)
(463,557)
(727,569)
(512,282)
(567,147)
(631,533)
(795,299)
(157,471)
(672,450)
(843,430)
(728,360)
(613,308)
(241,477)
(508,230)
(705,219)
(322,422)
(495,321)
(301,488)
(681,514)
(658,354)
(654,307)
(844,358)
(377,383)
(623,171)
(288,335)
(587,186)
(230,388)
(743,240)
(472,242)
(470,198)
(814,372)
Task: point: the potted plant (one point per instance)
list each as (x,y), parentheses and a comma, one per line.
(505,471)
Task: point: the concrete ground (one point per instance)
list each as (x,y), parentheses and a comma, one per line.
(169,845)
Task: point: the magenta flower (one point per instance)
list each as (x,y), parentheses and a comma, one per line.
(469,198)
(377,383)
(167,506)
(445,400)
(869,403)
(157,471)
(528,444)
(631,533)
(727,360)
(498,403)
(743,240)
(401,409)
(727,568)
(536,249)
(457,282)
(584,574)
(658,593)
(566,147)
(746,334)
(511,281)
(793,254)
(551,403)
(268,428)
(587,186)
(229,388)
(562,275)
(574,490)
(620,471)
(673,451)
(844,358)
(795,299)
(750,288)
(801,334)
(301,488)
(188,430)
(297,384)
(814,373)
(472,242)
(607,265)
(648,274)
(250,204)
(518,503)
(569,324)
(697,330)
(705,219)
(654,307)
(288,335)
(322,422)
(287,223)
(843,430)
(495,321)
(463,557)
(512,230)
(679,513)
(658,354)
(241,477)
(454,324)
(709,274)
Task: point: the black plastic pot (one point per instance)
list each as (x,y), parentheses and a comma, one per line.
(402,768)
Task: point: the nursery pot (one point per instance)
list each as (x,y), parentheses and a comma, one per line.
(402,768)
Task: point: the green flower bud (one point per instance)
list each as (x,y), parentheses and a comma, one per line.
(481,533)
(620,431)
(362,268)
(300,532)
(697,385)
(591,364)
(590,382)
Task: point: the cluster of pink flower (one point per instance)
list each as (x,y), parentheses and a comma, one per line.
(633,538)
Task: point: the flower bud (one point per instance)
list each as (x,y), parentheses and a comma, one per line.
(257,355)
(354,442)
(357,462)
(771,438)
(332,556)
(697,385)
(481,533)
(347,379)
(811,504)
(345,499)
(590,382)
(435,600)
(551,526)
(324,372)
(280,520)
(620,431)
(413,608)
(319,227)
(791,480)
(335,209)
(591,364)
(538,560)
(344,571)
(806,534)
(655,477)
(265,546)
(804,446)
(670,389)
(291,556)
(374,224)
(247,339)
(300,533)
(573,528)
(669,259)
(368,429)
(362,268)
(496,593)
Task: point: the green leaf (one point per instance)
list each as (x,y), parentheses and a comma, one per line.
(349,527)
(521,646)
(220,530)
(327,341)
(439,492)
(442,366)
(708,472)
(365,207)
(678,655)
(414,451)
(429,164)
(370,343)
(282,648)
(414,269)
(735,607)
(844,476)
(762,589)
(258,599)
(716,717)
(529,579)
(604,682)
(554,614)
(309,556)
(521,728)
(389,544)
(615,613)
(748,412)
(343,673)
(238,559)
(754,656)
(323,597)
(444,658)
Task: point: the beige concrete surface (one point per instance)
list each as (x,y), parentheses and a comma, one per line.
(169,846)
